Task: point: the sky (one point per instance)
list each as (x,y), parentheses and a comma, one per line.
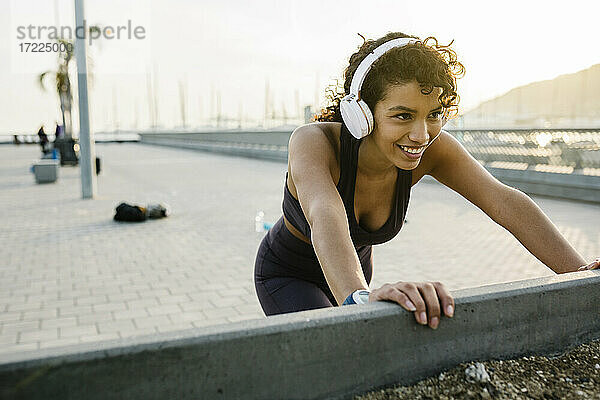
(204,53)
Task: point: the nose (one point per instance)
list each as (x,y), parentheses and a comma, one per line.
(418,133)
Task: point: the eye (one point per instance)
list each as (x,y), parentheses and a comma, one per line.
(437,114)
(403,116)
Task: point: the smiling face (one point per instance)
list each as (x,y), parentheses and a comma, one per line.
(406,121)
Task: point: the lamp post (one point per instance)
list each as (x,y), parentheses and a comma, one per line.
(86,139)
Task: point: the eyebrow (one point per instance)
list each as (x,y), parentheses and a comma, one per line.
(398,108)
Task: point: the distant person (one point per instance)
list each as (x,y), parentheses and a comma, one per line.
(43,140)
(58,133)
(349,180)
(16,140)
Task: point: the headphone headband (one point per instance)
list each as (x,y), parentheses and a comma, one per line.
(365,65)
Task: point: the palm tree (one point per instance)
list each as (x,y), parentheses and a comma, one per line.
(63,82)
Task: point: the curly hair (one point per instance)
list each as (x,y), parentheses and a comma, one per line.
(432,65)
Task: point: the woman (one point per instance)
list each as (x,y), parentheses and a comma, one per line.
(349,179)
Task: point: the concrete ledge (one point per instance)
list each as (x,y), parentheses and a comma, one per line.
(251,150)
(332,353)
(270,137)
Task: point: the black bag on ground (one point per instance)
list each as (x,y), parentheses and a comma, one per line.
(126,212)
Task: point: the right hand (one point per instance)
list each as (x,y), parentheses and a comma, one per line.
(425,299)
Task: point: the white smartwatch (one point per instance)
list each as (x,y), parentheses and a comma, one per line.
(360,296)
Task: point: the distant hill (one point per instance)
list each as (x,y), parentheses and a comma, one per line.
(568,101)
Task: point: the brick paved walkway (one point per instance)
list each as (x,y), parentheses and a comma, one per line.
(70,274)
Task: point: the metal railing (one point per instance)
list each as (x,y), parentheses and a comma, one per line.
(549,150)
(555,150)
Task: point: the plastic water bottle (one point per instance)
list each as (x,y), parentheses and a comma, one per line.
(259,224)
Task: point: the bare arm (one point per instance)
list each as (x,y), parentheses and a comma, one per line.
(310,155)
(528,223)
(510,208)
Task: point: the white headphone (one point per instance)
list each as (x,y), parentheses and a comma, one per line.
(355,112)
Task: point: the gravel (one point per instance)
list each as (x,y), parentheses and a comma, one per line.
(574,374)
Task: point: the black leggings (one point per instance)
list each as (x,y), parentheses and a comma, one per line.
(288,276)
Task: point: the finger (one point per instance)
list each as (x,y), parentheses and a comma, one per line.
(593,265)
(586,266)
(413,294)
(446,299)
(403,300)
(432,303)
(391,292)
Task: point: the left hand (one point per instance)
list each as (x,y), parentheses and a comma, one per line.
(593,265)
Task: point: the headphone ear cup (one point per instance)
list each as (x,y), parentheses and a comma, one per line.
(360,123)
(352,116)
(367,117)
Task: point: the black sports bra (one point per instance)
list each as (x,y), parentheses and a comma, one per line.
(348,164)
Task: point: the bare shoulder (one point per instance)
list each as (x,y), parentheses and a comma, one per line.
(447,154)
(317,131)
(312,147)
(453,166)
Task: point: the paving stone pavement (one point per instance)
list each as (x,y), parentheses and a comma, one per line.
(70,274)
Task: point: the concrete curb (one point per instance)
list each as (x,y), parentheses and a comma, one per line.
(332,353)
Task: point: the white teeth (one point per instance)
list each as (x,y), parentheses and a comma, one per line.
(411,150)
